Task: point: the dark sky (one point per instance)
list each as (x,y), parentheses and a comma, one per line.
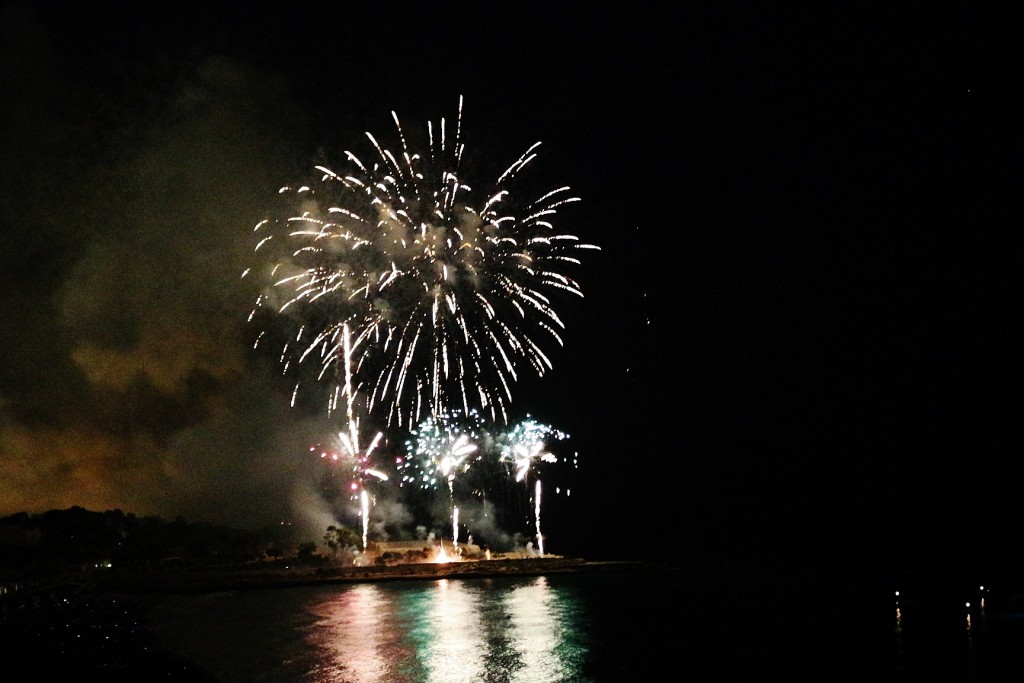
(796,337)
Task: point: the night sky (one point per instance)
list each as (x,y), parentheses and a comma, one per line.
(794,342)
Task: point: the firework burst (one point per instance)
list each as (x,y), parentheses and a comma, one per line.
(524,448)
(450,291)
(440,449)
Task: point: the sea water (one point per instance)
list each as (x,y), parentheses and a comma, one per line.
(604,626)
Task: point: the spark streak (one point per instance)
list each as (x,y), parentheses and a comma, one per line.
(450,291)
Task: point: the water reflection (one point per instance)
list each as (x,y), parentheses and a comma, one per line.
(354,637)
(448,631)
(452,649)
(544,632)
(596,628)
(937,628)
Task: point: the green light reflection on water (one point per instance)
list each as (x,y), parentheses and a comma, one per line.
(497,631)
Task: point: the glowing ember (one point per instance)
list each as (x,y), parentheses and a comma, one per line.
(442,556)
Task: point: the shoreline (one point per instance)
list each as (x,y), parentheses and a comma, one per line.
(234,578)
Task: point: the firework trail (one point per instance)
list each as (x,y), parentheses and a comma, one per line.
(524,447)
(438,451)
(362,471)
(350,449)
(536,516)
(450,291)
